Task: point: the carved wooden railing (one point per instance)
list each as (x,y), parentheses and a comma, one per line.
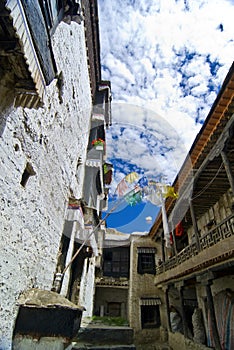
(220,232)
(223,230)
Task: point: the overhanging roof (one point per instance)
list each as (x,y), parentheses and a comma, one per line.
(214,173)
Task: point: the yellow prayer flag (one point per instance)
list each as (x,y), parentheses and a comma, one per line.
(131,177)
(170,192)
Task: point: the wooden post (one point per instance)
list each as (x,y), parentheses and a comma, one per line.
(166,291)
(207,280)
(195,226)
(228,170)
(174,242)
(210,305)
(180,286)
(163,248)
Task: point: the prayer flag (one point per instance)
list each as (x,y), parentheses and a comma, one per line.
(170,192)
(134,198)
(131,177)
(126,184)
(122,188)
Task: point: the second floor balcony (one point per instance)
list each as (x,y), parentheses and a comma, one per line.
(215,247)
(201,220)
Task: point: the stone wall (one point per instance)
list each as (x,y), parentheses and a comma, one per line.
(177,341)
(50,140)
(106,295)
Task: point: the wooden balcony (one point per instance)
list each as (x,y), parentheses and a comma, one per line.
(121,282)
(216,247)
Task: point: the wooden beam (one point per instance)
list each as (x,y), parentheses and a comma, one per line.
(195,227)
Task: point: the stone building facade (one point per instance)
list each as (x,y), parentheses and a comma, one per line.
(122,285)
(197,273)
(47,97)
(144,297)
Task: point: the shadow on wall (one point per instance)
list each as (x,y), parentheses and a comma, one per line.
(7,97)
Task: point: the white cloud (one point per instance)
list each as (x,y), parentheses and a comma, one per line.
(170,57)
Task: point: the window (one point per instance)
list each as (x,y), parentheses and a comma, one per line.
(116,262)
(146,261)
(38,14)
(150,313)
(150,316)
(97,131)
(53,12)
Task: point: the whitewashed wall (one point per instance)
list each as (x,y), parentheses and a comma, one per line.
(87,287)
(51,139)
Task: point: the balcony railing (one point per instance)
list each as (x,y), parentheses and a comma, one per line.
(111,281)
(223,230)
(220,232)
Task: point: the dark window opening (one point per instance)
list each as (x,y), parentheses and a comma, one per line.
(62,255)
(96,132)
(77,270)
(146,263)
(98,183)
(34,11)
(150,316)
(189,307)
(52,12)
(181,242)
(116,262)
(28,171)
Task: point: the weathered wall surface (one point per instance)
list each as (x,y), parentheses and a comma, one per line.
(219,212)
(177,341)
(51,139)
(107,295)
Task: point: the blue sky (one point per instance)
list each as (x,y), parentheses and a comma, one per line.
(166,61)
(129,219)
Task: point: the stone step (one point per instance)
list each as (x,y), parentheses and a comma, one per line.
(154,346)
(105,335)
(102,347)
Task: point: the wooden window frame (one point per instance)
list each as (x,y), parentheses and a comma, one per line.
(146,263)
